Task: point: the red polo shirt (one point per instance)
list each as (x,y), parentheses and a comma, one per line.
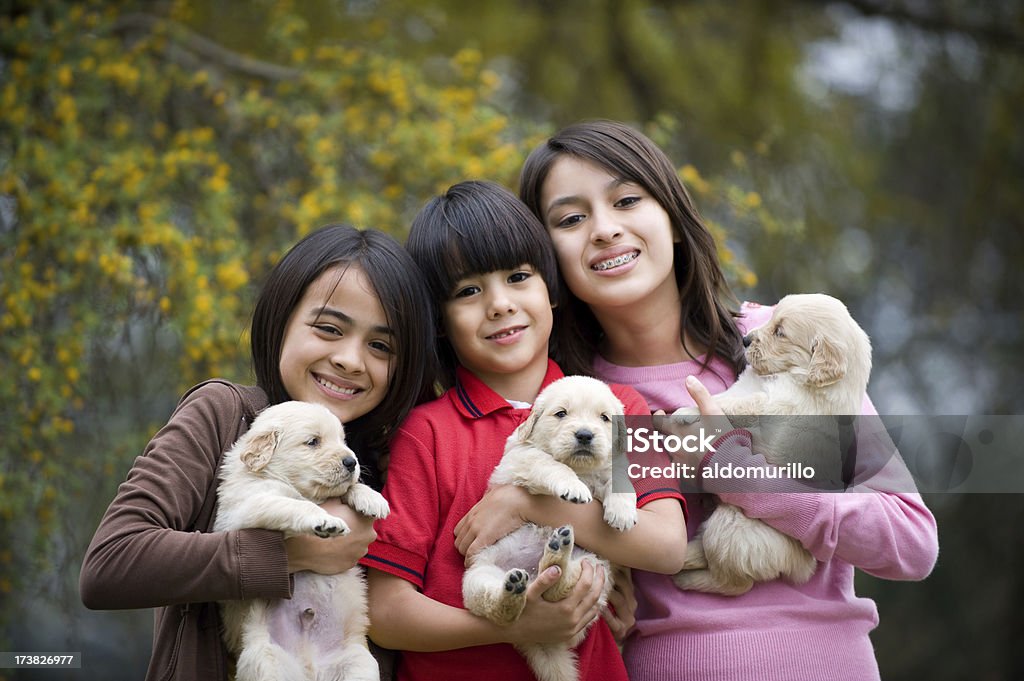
(441,459)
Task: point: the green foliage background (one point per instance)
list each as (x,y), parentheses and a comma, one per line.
(157,157)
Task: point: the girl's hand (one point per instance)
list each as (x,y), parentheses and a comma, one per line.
(496,515)
(712,420)
(334,555)
(621,613)
(703,399)
(558,622)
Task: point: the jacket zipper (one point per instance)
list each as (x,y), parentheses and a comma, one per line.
(172,665)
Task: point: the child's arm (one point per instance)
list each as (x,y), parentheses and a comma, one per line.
(657,543)
(881,526)
(147,551)
(403,618)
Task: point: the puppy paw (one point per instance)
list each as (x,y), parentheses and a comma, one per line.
(516,581)
(695,558)
(561,539)
(368,502)
(620,511)
(558,551)
(513,597)
(711,582)
(329,526)
(686,416)
(573,490)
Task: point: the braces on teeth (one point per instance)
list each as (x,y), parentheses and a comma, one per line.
(615,262)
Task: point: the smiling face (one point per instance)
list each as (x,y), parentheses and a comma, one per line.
(498,323)
(337,348)
(613,239)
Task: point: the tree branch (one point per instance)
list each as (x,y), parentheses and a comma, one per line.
(991,34)
(205,48)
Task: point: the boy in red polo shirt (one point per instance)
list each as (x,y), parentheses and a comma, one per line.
(491,272)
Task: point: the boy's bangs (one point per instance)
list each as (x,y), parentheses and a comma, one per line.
(478,227)
(488,242)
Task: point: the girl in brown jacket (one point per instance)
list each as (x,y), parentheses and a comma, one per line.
(343,321)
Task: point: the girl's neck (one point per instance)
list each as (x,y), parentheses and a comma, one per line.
(646,334)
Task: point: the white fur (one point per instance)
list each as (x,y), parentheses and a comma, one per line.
(292,458)
(550,453)
(811,358)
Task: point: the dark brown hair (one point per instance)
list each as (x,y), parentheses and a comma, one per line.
(398,285)
(630,155)
(475,227)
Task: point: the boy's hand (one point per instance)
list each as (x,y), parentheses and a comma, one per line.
(490,519)
(621,613)
(558,622)
(335,555)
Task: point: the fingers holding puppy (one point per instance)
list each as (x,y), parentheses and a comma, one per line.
(336,554)
(621,611)
(558,622)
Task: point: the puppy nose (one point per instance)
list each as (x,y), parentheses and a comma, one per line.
(349,462)
(584,436)
(748,339)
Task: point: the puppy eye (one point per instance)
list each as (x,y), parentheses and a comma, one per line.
(561,414)
(313,442)
(604,417)
(779,332)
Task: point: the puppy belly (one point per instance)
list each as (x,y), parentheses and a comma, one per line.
(311,624)
(523,549)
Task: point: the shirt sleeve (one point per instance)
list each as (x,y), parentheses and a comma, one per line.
(879,524)
(147,551)
(648,488)
(406,537)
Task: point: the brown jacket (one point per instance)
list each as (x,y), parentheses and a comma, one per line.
(154,549)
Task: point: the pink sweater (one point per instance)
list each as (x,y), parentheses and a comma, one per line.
(777,631)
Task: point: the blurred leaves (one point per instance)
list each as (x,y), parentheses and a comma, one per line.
(148,178)
(150,175)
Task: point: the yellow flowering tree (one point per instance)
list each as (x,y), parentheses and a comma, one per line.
(148,178)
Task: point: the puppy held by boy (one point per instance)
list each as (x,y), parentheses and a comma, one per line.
(292,458)
(565,449)
(811,358)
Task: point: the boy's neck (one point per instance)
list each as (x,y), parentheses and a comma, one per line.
(521,386)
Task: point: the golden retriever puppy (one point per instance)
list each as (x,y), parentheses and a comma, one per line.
(811,358)
(564,448)
(292,458)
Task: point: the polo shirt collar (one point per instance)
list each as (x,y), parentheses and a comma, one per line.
(474,399)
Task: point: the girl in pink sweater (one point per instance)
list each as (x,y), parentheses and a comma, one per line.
(645,308)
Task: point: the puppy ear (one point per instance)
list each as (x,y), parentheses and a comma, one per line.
(525,430)
(828,364)
(620,441)
(259,448)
